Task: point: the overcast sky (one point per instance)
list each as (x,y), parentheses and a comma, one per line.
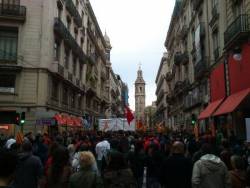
(137,31)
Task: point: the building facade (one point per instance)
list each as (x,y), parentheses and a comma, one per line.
(162,91)
(201,43)
(54,60)
(140,96)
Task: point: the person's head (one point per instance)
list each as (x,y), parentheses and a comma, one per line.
(237,162)
(225,143)
(117,161)
(178,148)
(27,146)
(206,149)
(8,163)
(86,159)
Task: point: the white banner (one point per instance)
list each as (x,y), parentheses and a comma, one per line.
(116,124)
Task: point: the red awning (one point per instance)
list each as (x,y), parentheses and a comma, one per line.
(232,102)
(209,110)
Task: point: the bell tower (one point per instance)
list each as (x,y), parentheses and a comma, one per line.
(139,96)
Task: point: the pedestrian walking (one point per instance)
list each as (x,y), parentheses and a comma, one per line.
(86,177)
(238,173)
(210,172)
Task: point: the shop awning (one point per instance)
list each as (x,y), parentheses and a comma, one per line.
(232,102)
(209,110)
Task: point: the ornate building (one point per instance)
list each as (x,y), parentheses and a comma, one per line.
(139,96)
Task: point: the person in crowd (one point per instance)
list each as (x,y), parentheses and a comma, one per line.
(204,149)
(60,170)
(102,149)
(210,172)
(29,170)
(40,149)
(8,163)
(177,169)
(136,161)
(117,174)
(86,177)
(154,160)
(238,173)
(226,153)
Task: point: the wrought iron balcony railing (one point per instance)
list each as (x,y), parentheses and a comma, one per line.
(196,4)
(177,58)
(237,30)
(169,76)
(13,12)
(64,33)
(74,12)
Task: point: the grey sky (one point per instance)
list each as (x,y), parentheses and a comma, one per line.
(137,30)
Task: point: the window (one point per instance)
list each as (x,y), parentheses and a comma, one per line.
(216,44)
(80,72)
(68,24)
(79,101)
(8,44)
(54,92)
(73,100)
(88,103)
(214,3)
(76,34)
(82,18)
(186,72)
(56,51)
(66,58)
(7,83)
(77,4)
(140,89)
(74,65)
(59,12)
(65,96)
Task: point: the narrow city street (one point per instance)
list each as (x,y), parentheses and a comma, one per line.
(124,94)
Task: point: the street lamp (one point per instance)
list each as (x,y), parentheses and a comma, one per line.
(237,53)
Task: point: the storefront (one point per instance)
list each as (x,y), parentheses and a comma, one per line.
(228,112)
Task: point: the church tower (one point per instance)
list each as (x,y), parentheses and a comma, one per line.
(139,96)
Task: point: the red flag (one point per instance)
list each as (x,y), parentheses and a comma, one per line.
(129,115)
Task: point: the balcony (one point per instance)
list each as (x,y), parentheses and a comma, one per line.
(77,82)
(12,12)
(92,58)
(70,77)
(178,87)
(74,12)
(177,58)
(184,31)
(201,68)
(184,58)
(169,76)
(57,68)
(215,15)
(170,99)
(64,33)
(8,58)
(196,4)
(237,31)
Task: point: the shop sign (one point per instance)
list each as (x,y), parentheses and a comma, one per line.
(48,122)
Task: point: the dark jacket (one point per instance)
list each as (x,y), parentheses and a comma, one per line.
(122,178)
(86,178)
(177,172)
(28,171)
(238,179)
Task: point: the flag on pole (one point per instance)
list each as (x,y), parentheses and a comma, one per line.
(129,115)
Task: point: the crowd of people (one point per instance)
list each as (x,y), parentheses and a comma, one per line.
(124,159)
